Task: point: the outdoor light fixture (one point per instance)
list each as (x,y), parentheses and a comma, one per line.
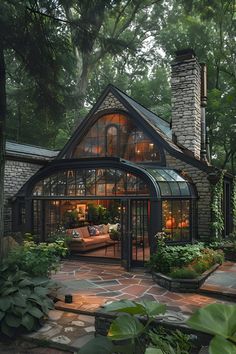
(68,299)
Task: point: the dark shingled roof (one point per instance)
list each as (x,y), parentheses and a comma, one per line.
(151,117)
(29,151)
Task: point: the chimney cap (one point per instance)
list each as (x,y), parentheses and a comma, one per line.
(185,54)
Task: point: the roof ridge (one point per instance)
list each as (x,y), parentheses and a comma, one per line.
(140,104)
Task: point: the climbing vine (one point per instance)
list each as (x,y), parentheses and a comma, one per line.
(234,205)
(216,207)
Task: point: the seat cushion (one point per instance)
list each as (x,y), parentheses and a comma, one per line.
(85,232)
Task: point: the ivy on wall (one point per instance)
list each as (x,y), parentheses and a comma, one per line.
(217,191)
(234,206)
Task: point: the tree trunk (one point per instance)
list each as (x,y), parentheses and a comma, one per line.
(2,143)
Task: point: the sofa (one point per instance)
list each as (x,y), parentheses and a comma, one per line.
(88,238)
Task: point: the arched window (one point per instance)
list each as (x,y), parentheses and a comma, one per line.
(112,140)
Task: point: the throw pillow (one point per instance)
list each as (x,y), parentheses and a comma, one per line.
(75,234)
(93,230)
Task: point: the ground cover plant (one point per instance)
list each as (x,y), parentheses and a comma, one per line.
(24,301)
(187,262)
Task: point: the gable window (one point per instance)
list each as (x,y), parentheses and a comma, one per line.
(112,140)
(116,135)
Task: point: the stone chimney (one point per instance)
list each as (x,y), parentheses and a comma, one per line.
(186,101)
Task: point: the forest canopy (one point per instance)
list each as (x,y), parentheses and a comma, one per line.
(60,54)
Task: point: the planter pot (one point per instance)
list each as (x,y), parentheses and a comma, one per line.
(182,285)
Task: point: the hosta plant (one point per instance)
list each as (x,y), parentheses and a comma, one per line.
(218,320)
(24,301)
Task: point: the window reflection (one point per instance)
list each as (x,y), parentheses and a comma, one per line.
(116,135)
(175,219)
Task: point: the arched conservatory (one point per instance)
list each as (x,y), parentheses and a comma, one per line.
(136,200)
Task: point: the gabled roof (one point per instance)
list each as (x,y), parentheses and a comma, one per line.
(29,151)
(156,127)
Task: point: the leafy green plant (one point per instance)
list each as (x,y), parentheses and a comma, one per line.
(60,235)
(220,321)
(24,301)
(183,273)
(115,235)
(217,191)
(180,261)
(128,334)
(170,342)
(168,257)
(37,259)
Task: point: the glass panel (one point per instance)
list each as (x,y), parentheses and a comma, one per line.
(175,219)
(90,182)
(112,141)
(117,135)
(175,176)
(61,183)
(80,183)
(183,186)
(174,188)
(165,189)
(38,189)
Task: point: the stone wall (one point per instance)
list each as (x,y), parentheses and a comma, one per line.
(186,109)
(202,184)
(16,174)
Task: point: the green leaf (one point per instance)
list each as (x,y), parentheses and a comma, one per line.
(28,322)
(5,303)
(8,331)
(41,291)
(125,327)
(19,300)
(153,351)
(34,311)
(126,306)
(221,345)
(98,345)
(9,291)
(219,319)
(25,282)
(2,314)
(153,308)
(12,321)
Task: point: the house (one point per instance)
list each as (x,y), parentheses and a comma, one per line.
(126,169)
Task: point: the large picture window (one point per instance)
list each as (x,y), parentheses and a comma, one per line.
(116,135)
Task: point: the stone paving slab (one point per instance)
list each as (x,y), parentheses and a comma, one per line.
(64,330)
(222,282)
(115,284)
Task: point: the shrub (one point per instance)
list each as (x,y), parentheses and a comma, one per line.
(168,257)
(183,273)
(37,259)
(24,301)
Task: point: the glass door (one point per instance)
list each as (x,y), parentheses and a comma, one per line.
(139,222)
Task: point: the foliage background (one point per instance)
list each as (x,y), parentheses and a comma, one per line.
(61,54)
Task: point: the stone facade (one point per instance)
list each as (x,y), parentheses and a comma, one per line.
(16,174)
(202,184)
(186,108)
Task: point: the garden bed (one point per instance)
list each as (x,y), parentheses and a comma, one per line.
(182,285)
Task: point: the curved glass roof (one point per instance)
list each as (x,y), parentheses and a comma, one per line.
(109,181)
(170,183)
